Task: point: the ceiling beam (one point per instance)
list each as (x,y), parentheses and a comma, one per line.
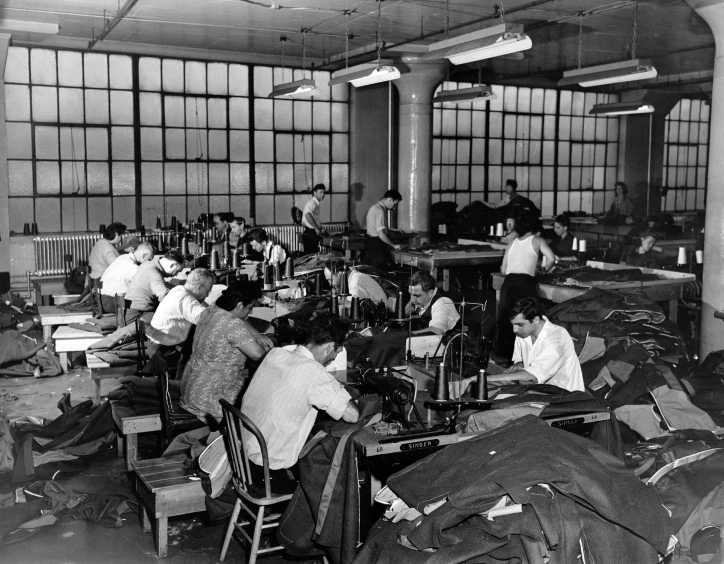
(110,24)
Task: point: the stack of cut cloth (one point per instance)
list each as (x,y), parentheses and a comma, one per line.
(141,394)
(102,325)
(524,492)
(627,316)
(118,348)
(589,277)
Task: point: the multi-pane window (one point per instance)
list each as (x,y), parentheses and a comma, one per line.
(83,152)
(70,138)
(300,143)
(562,158)
(686,150)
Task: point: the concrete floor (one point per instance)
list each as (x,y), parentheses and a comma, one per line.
(191,540)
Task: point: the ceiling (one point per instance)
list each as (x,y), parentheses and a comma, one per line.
(669,32)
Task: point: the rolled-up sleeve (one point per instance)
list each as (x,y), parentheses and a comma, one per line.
(548,362)
(444,315)
(191,309)
(329,395)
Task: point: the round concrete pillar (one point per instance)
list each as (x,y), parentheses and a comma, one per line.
(712,299)
(416,87)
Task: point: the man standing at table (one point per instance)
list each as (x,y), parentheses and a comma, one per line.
(312,220)
(378,239)
(544,352)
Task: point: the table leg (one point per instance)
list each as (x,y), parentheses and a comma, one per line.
(162,536)
(63,361)
(131,450)
(119,444)
(674,309)
(145,521)
(97,390)
(48,336)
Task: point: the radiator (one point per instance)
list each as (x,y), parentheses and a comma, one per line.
(50,253)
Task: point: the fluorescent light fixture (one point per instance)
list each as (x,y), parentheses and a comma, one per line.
(297,89)
(29,27)
(625,71)
(382,70)
(501,39)
(621,109)
(465,95)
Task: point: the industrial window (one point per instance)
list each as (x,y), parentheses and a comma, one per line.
(562,158)
(202,136)
(686,150)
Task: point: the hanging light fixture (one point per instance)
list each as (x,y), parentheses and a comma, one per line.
(304,88)
(481,92)
(382,70)
(495,41)
(624,71)
(621,108)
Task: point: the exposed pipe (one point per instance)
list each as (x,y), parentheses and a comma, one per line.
(648,168)
(389,135)
(122,13)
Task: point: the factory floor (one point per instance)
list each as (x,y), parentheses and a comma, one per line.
(190,539)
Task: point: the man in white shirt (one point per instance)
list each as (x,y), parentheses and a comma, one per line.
(312,220)
(544,352)
(378,240)
(289,387)
(358,283)
(118,275)
(179,310)
(430,303)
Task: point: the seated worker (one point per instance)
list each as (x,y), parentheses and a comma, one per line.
(290,387)
(643,254)
(222,222)
(104,252)
(118,275)
(148,287)
(430,303)
(622,208)
(562,244)
(358,283)
(510,233)
(312,220)
(378,239)
(222,343)
(260,242)
(516,203)
(179,310)
(544,352)
(237,232)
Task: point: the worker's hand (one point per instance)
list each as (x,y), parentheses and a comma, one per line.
(517,366)
(266,343)
(397,247)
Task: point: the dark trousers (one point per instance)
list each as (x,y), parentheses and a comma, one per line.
(514,286)
(310,241)
(377,253)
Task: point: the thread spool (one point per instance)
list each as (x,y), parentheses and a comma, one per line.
(26,229)
(278,273)
(227,248)
(318,285)
(400,306)
(102,228)
(34,228)
(343,289)
(289,268)
(268,276)
(682,258)
(699,257)
(142,230)
(158,222)
(214,260)
(482,391)
(246,250)
(235,259)
(341,305)
(574,247)
(184,246)
(499,230)
(582,246)
(492,230)
(174,223)
(208,245)
(198,238)
(354,309)
(441,385)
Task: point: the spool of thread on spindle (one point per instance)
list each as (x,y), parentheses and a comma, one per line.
(214,260)
(699,257)
(400,306)
(682,258)
(582,246)
(227,248)
(575,244)
(278,272)
(341,305)
(235,259)
(184,246)
(246,250)
(289,268)
(268,276)
(158,222)
(26,229)
(174,223)
(354,310)
(492,230)
(441,384)
(101,229)
(482,391)
(343,282)
(318,285)
(499,230)
(198,237)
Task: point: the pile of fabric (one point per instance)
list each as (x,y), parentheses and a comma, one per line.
(524,492)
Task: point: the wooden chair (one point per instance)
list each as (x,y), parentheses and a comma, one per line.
(252,496)
(142,358)
(174,421)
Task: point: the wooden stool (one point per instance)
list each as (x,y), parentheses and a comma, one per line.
(101,370)
(129,427)
(67,339)
(165,491)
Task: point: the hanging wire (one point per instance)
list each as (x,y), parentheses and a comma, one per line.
(379,31)
(283,40)
(580,39)
(346,40)
(502,12)
(304,54)
(635,29)
(447,18)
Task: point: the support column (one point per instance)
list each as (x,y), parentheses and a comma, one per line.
(712,299)
(4,185)
(416,87)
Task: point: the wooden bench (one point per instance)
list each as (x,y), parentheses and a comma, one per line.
(51,316)
(165,491)
(67,339)
(101,370)
(129,427)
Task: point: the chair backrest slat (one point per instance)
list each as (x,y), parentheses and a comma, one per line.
(236,424)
